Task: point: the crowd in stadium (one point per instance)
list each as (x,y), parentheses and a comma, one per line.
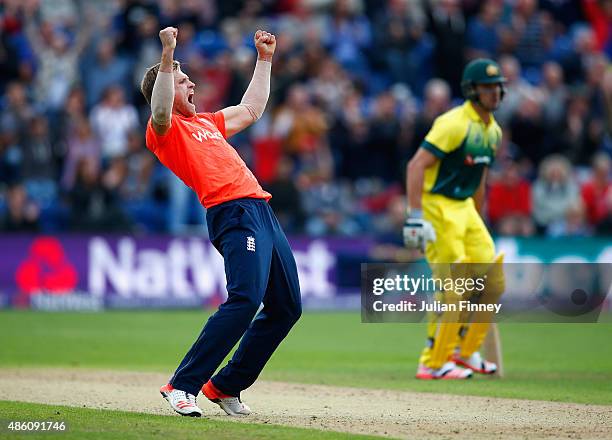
(356,86)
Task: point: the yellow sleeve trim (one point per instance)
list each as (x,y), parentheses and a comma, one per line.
(448,132)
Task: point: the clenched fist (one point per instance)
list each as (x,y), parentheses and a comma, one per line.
(265,43)
(168,37)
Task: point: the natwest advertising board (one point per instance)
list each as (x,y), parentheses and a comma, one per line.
(95,272)
(92,272)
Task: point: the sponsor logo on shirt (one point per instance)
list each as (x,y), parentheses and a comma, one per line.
(202,135)
(471,160)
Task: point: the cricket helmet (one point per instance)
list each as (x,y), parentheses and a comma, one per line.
(481,71)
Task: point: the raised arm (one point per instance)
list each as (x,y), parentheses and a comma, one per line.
(33,35)
(162,97)
(253,104)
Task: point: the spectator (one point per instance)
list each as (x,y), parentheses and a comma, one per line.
(509,202)
(15,63)
(384,139)
(528,131)
(329,205)
(350,139)
(170,13)
(605,227)
(403,45)
(594,79)
(572,136)
(483,31)
(129,19)
(185,213)
(300,123)
(148,51)
(331,85)
(437,101)
(599,13)
(137,187)
(348,36)
(186,45)
(565,12)
(139,164)
(532,32)
(584,48)
(17,111)
(516,89)
(291,70)
(314,53)
(112,120)
(82,144)
(553,192)
(41,163)
(596,192)
(447,24)
(107,70)
(22,214)
(11,156)
(58,60)
(287,200)
(345,107)
(606,88)
(555,96)
(213,77)
(573,224)
(94,200)
(69,117)
(241,65)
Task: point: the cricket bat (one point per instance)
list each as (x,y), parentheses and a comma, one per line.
(493,350)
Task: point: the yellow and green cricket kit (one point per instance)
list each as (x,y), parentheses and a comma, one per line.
(465,145)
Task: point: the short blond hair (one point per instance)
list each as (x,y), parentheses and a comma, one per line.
(148,81)
(555,161)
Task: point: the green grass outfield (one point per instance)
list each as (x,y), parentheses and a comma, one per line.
(556,362)
(102,424)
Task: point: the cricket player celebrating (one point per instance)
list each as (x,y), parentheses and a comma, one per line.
(445,185)
(259,264)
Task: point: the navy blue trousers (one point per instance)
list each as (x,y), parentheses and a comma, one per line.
(259,267)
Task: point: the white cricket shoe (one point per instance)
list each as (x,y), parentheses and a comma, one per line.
(232,405)
(448,371)
(476,363)
(181,401)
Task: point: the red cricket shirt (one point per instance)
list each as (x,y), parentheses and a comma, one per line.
(195,149)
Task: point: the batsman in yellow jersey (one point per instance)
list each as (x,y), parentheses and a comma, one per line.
(445,184)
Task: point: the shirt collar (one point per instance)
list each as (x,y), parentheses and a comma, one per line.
(471,112)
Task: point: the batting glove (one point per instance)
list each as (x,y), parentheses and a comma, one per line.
(417,232)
